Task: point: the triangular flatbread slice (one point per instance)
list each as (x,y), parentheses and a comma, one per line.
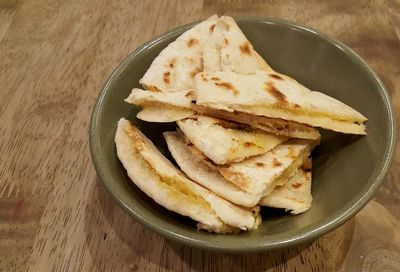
(268,94)
(295,196)
(226,142)
(174,106)
(202,173)
(212,45)
(174,68)
(173,71)
(169,187)
(259,175)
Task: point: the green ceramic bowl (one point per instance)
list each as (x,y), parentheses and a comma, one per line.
(347,169)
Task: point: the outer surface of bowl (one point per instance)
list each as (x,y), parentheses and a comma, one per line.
(347,170)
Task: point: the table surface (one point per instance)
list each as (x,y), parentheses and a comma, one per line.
(54,58)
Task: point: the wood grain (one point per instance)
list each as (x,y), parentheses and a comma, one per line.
(56,55)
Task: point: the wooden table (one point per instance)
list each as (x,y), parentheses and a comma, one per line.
(54,58)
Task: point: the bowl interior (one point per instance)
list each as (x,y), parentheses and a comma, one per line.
(346,169)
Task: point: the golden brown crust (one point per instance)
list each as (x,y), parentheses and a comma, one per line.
(245,48)
(227,86)
(276,163)
(192,42)
(272,90)
(235,177)
(276,76)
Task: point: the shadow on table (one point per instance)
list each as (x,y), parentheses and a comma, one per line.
(117,241)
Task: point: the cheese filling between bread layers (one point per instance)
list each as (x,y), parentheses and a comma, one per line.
(203,205)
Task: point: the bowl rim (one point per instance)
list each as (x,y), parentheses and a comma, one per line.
(330,224)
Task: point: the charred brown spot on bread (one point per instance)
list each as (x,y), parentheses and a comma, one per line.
(172,63)
(259,164)
(275,76)
(271,89)
(276,163)
(189,144)
(306,167)
(296,185)
(278,187)
(226,42)
(192,42)
(292,153)
(245,48)
(212,28)
(215,78)
(227,86)
(166,77)
(235,177)
(249,144)
(297,106)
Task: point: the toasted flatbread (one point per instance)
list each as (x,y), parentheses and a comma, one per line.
(227,49)
(295,196)
(259,175)
(162,106)
(267,94)
(212,45)
(199,171)
(226,142)
(169,187)
(174,68)
(174,106)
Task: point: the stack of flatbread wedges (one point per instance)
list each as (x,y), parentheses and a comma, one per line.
(244,131)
